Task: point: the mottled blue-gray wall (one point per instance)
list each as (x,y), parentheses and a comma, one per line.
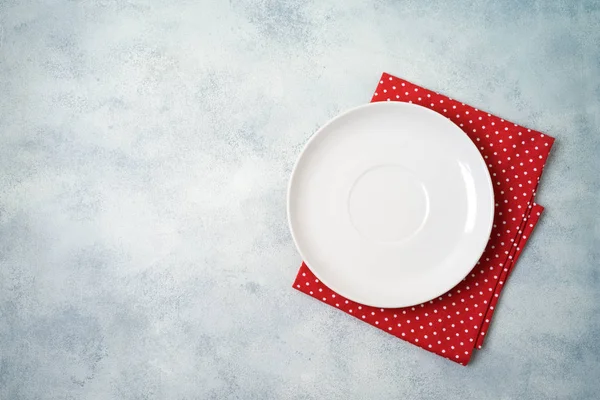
(145,148)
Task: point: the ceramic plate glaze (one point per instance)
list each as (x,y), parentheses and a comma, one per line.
(390,204)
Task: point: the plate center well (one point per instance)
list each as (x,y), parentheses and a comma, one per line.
(388,204)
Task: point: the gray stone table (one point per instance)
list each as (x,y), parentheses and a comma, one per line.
(145,147)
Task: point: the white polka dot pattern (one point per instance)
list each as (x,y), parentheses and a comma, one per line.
(454,324)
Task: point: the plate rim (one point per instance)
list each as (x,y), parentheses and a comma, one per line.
(319,132)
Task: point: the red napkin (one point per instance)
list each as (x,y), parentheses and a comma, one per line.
(454,324)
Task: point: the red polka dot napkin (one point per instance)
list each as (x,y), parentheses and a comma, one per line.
(454,324)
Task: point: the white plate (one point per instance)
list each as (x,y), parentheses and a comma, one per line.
(390,204)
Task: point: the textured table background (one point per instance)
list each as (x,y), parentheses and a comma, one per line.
(145,148)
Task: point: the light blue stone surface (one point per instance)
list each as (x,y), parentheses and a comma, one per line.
(145,148)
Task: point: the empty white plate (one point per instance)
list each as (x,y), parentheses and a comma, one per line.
(390,204)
